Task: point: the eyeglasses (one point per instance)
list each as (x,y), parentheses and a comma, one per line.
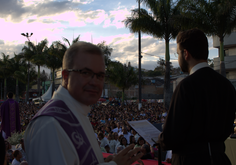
(88,73)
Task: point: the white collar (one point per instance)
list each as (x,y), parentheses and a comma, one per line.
(63,94)
(198,66)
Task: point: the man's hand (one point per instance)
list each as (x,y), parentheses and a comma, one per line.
(126,156)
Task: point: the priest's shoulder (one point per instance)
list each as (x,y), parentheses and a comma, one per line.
(5,103)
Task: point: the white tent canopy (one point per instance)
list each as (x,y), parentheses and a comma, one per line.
(46,96)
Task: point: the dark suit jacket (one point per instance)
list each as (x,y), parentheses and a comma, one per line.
(202,110)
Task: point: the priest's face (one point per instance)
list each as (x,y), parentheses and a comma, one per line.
(86,84)
(182,62)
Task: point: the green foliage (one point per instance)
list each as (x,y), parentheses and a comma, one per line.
(107,50)
(53,61)
(4,66)
(153,73)
(122,76)
(15,138)
(216,17)
(158,24)
(22,75)
(62,47)
(119,95)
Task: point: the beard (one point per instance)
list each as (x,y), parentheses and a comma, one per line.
(183,64)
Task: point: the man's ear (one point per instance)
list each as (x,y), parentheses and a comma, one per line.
(65,75)
(186,55)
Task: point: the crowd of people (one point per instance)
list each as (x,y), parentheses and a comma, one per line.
(27,111)
(110,124)
(111,127)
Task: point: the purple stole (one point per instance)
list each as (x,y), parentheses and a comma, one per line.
(10,117)
(12,114)
(59,110)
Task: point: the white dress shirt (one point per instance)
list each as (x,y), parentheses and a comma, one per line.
(198,66)
(47,143)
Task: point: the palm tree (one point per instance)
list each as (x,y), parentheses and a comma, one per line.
(53,62)
(63,47)
(217,18)
(43,78)
(28,52)
(107,50)
(158,25)
(15,63)
(5,71)
(39,58)
(122,76)
(26,72)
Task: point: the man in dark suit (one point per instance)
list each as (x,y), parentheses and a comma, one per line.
(202,108)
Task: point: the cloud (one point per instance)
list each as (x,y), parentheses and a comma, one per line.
(115,17)
(83,1)
(96,17)
(9,48)
(11,9)
(19,10)
(52,8)
(1,42)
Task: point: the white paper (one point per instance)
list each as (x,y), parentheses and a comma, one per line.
(145,129)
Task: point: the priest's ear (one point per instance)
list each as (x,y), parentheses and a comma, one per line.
(65,75)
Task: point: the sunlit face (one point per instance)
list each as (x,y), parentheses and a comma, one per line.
(182,62)
(86,90)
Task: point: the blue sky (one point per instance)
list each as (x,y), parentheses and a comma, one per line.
(101,19)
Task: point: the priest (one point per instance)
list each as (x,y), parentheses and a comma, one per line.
(10,117)
(60,133)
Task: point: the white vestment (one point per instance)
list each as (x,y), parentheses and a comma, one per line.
(47,143)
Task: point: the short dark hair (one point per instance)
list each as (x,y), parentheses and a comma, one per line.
(195,42)
(10,95)
(15,153)
(121,143)
(139,139)
(101,134)
(77,48)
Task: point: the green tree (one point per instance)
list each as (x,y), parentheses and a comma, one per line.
(5,71)
(217,18)
(26,72)
(14,64)
(122,76)
(28,53)
(38,58)
(43,78)
(62,47)
(158,25)
(107,50)
(53,62)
